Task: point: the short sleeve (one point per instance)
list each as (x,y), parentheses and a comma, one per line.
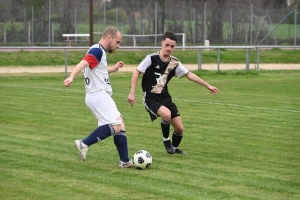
(181,70)
(144,64)
(93,57)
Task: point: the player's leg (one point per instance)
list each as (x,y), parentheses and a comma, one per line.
(105,110)
(153,105)
(165,115)
(109,121)
(100,133)
(121,144)
(178,129)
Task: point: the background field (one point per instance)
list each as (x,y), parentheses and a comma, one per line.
(55,58)
(242,143)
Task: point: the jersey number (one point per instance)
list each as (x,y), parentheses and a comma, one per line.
(160,78)
(87,81)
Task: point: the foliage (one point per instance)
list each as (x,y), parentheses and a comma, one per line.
(112,14)
(223,19)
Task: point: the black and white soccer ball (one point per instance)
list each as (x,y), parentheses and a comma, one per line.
(142,159)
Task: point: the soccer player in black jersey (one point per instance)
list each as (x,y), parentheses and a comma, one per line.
(158,69)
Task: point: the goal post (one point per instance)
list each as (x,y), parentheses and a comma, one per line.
(135,40)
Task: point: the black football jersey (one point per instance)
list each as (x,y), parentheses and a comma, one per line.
(157,72)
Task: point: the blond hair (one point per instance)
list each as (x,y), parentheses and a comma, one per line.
(112,31)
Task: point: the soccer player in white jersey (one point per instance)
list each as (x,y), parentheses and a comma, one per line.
(98,96)
(158,69)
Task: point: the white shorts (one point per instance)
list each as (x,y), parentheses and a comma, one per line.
(103,107)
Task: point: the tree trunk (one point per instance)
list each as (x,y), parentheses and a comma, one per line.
(163,16)
(25,22)
(216,26)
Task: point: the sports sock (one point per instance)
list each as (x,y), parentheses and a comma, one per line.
(176,139)
(120,141)
(165,128)
(99,134)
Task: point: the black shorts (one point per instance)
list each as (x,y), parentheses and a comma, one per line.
(153,102)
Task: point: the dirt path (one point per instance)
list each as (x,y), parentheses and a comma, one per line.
(130,68)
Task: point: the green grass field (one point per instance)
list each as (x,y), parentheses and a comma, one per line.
(242,143)
(52,58)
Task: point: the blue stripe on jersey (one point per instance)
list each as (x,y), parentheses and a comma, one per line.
(96,52)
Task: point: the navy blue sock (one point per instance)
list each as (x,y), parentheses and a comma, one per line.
(120,141)
(99,134)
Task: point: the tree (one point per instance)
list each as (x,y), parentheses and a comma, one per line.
(163,16)
(216,22)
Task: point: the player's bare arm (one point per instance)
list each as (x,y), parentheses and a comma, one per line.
(79,67)
(193,77)
(134,80)
(116,68)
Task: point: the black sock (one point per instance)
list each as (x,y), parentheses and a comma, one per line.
(176,139)
(165,128)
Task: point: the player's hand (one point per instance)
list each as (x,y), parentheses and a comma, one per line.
(131,98)
(118,65)
(213,90)
(68,82)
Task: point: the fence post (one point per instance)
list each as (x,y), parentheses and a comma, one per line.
(32,31)
(295,25)
(204,24)
(28,33)
(251,23)
(66,62)
(199,59)
(247,59)
(257,58)
(4,33)
(49,28)
(218,59)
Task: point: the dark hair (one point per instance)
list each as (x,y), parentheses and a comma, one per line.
(170,35)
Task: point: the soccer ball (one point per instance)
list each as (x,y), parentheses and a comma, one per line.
(142,159)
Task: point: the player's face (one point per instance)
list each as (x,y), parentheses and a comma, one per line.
(168,46)
(114,43)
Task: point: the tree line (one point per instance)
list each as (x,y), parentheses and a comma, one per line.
(199,19)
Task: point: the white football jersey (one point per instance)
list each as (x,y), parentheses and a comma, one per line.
(96,76)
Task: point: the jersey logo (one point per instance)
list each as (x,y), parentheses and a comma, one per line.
(106,80)
(157,67)
(162,78)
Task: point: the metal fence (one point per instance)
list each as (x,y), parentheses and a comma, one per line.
(200,49)
(232,22)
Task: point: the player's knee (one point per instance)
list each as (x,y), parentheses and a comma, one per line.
(164,113)
(179,129)
(122,132)
(117,128)
(166,117)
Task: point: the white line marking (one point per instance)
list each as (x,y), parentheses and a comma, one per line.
(235,105)
(184,100)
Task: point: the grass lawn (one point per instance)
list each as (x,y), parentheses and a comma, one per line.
(57,58)
(242,143)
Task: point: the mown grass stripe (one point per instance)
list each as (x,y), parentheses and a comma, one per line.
(237,149)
